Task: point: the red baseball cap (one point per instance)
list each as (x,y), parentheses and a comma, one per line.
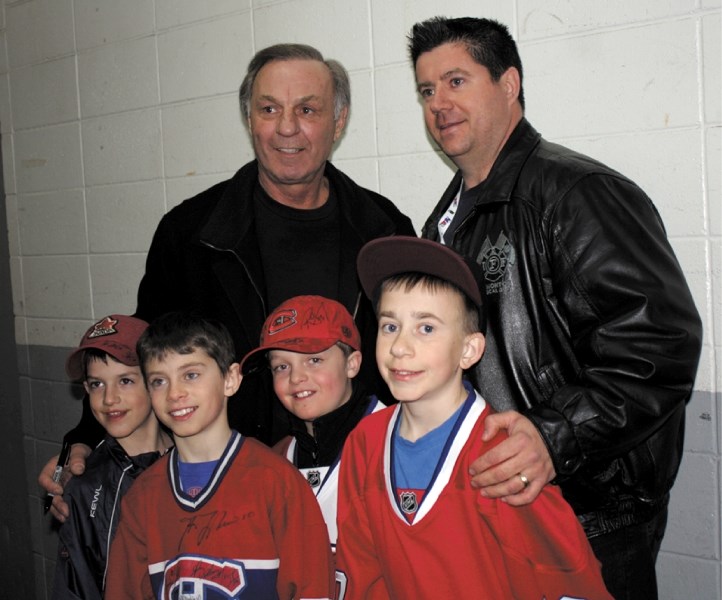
(116,335)
(305,324)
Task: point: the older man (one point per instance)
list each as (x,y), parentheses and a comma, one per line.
(593,338)
(287,223)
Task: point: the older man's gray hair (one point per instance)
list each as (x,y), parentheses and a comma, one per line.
(339,76)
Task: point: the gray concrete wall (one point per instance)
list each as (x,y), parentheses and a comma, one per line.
(16,568)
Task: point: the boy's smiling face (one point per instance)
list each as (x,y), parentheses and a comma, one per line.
(189,393)
(118,399)
(312,385)
(422,348)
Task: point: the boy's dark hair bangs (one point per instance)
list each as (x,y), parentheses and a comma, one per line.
(474,319)
(93,354)
(184,333)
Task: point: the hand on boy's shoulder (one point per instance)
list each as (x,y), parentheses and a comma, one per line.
(522,456)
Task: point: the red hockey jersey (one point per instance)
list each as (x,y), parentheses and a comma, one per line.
(255,531)
(459,544)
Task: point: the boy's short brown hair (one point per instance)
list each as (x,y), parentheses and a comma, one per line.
(183,333)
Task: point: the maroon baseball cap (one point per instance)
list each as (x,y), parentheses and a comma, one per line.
(388,256)
(305,324)
(115,335)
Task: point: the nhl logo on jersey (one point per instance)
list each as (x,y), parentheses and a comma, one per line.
(409,505)
(314,478)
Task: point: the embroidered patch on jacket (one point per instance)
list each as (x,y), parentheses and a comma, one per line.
(495,260)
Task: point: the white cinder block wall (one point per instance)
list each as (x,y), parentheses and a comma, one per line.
(112,112)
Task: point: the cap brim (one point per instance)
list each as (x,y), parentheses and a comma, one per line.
(254,359)
(122,353)
(389,256)
(74,364)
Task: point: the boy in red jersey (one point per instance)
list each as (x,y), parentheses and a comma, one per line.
(221,516)
(410,524)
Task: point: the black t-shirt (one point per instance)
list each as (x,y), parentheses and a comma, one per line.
(467,200)
(300,249)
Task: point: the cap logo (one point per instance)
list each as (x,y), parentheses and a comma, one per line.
(283,320)
(346,331)
(104,327)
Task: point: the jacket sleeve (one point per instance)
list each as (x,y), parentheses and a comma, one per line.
(358,569)
(621,299)
(76,570)
(157,293)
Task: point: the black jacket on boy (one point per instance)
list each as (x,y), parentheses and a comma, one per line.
(94,502)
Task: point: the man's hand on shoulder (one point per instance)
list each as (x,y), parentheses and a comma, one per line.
(76,466)
(516,469)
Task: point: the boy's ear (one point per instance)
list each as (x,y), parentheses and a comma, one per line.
(474,345)
(232,380)
(353,364)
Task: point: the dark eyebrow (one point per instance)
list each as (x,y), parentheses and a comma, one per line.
(450,74)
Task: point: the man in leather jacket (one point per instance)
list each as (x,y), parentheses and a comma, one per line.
(593,337)
(285,224)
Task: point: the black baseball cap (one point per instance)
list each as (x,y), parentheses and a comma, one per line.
(385,257)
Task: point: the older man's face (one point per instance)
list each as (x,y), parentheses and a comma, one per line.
(292,124)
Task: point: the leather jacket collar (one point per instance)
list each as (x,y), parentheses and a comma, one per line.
(502,178)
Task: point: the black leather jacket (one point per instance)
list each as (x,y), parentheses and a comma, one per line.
(205,257)
(593,333)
